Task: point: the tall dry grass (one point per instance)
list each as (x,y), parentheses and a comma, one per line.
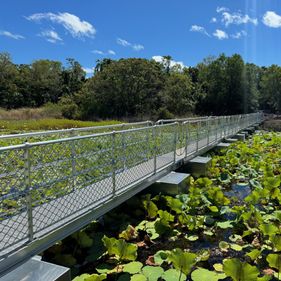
(47,111)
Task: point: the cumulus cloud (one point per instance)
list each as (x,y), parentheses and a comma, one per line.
(11,35)
(237,18)
(51,36)
(239,34)
(161,59)
(73,24)
(200,29)
(271,19)
(220,34)
(125,43)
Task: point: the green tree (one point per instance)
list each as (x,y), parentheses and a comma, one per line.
(45,81)
(73,77)
(270,97)
(101,64)
(221,79)
(251,93)
(9,96)
(125,88)
(177,95)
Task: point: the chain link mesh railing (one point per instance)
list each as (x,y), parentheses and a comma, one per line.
(14,139)
(45,185)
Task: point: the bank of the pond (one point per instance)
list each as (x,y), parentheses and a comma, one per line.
(226,226)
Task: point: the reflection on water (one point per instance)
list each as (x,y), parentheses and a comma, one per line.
(238,190)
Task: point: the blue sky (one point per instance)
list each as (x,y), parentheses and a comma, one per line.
(188,30)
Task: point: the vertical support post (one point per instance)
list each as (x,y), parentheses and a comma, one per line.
(113,163)
(221,127)
(73,161)
(147,142)
(224,126)
(175,140)
(198,124)
(154,149)
(216,125)
(208,131)
(123,146)
(186,137)
(28,198)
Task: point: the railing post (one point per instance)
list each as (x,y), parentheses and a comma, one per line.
(28,198)
(175,141)
(154,149)
(224,126)
(198,124)
(148,132)
(186,137)
(123,146)
(221,127)
(208,131)
(73,161)
(113,163)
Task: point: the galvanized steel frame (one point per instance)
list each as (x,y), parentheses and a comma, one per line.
(153,151)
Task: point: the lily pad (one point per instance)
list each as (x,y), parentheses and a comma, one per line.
(225,224)
(152,273)
(138,277)
(133,267)
(173,275)
(202,274)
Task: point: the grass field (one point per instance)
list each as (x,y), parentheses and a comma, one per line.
(17,126)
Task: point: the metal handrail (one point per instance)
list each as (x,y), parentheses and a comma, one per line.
(96,167)
(74,130)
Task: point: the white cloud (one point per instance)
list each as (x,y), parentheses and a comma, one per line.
(102,53)
(98,52)
(88,70)
(239,34)
(200,29)
(161,59)
(220,34)
(271,19)
(73,24)
(137,47)
(125,43)
(11,35)
(111,52)
(222,9)
(50,35)
(237,18)
(213,20)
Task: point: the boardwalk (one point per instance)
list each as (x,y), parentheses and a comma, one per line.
(137,158)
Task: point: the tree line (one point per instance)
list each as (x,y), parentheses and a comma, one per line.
(136,88)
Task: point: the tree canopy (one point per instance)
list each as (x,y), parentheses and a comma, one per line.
(141,88)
